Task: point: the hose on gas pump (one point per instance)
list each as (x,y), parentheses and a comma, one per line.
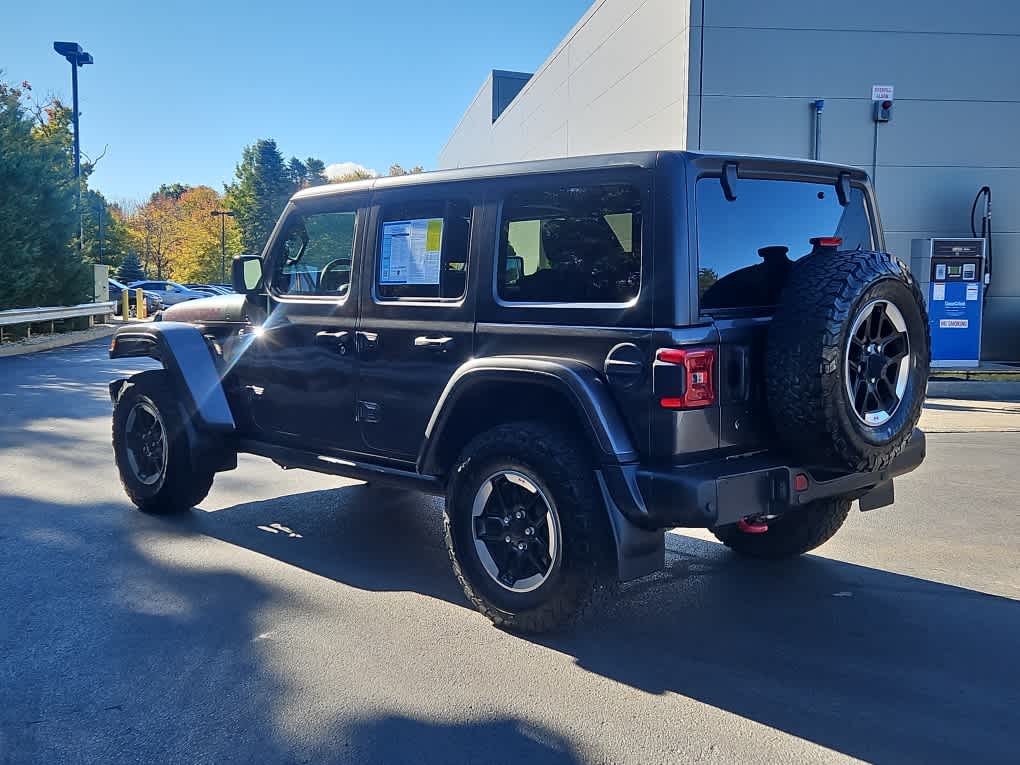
(986,230)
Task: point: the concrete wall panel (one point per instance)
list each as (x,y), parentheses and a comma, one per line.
(981,16)
(613,83)
(808,64)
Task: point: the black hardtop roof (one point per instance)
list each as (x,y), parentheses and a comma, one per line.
(636,159)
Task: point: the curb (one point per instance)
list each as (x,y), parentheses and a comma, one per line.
(975,390)
(49,342)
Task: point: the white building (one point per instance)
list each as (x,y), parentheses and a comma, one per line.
(743,75)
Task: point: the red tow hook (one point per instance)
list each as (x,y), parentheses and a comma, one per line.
(752,526)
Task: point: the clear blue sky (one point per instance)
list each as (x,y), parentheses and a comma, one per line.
(179,87)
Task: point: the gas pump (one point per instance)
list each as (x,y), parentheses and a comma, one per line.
(952,276)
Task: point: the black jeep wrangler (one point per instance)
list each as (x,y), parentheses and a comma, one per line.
(577,354)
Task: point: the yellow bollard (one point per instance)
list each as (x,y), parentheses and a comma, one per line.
(125,304)
(140,303)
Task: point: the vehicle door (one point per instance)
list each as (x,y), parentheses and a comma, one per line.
(573,278)
(299,366)
(417,320)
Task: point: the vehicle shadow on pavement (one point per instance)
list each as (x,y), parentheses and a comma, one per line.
(876,665)
(494,742)
(880,666)
(117,646)
(370,537)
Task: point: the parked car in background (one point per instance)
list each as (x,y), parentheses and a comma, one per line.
(170,292)
(153,302)
(209,289)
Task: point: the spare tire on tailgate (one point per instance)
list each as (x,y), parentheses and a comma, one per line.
(847,359)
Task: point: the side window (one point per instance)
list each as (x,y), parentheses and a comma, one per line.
(576,244)
(315,254)
(747,246)
(423,249)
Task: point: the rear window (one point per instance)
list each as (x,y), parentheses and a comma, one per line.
(578,244)
(746,247)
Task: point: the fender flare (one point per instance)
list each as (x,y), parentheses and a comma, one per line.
(185,355)
(581,385)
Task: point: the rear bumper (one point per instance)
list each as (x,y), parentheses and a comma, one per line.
(724,491)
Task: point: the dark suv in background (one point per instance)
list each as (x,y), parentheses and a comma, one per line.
(576,353)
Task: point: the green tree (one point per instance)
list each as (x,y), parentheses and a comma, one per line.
(398,169)
(263,184)
(38,222)
(316,171)
(115,239)
(130,269)
(172,190)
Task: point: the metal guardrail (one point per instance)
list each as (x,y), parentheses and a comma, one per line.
(54,313)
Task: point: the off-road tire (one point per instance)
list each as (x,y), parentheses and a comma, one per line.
(809,405)
(180,487)
(793,534)
(559,466)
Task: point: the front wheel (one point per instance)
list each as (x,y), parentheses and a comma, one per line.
(792,534)
(524,527)
(151,447)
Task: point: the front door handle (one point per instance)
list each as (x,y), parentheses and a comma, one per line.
(335,340)
(434,343)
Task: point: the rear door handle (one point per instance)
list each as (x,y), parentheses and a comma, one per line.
(368,341)
(434,343)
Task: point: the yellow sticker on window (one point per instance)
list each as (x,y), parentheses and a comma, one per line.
(434,235)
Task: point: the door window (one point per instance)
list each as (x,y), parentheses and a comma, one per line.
(579,244)
(315,254)
(422,251)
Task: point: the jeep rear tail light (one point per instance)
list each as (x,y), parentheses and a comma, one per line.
(698,377)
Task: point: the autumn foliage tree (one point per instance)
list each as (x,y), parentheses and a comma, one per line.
(178,238)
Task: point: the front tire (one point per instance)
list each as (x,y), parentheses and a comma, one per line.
(524,528)
(790,535)
(150,446)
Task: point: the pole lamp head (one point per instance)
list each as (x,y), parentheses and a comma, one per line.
(73,52)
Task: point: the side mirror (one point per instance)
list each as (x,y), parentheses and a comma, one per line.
(246,273)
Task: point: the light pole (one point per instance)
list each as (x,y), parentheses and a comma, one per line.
(77,57)
(99,212)
(223,215)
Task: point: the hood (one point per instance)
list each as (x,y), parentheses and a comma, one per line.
(218,308)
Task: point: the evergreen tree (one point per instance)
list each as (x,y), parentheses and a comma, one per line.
(38,224)
(130,270)
(298,172)
(172,190)
(316,171)
(262,187)
(115,233)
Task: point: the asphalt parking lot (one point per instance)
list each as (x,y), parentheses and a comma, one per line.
(299,618)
